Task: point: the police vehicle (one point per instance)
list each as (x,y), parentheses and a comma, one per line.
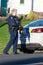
(32,39)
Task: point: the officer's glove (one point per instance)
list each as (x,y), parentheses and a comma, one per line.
(20,28)
(21,17)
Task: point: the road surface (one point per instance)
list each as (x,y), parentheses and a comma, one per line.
(28,59)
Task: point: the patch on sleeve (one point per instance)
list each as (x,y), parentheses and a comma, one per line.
(11,17)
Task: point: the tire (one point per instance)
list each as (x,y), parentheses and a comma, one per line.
(25,50)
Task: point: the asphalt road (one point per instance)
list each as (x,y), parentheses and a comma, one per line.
(28,59)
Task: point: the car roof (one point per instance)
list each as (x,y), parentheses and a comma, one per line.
(35,23)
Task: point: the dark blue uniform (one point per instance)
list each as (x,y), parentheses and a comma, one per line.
(13,23)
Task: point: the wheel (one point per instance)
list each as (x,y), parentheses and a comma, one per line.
(25,50)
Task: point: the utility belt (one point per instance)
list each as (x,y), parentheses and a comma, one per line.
(13,28)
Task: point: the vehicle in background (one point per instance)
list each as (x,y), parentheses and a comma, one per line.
(33,37)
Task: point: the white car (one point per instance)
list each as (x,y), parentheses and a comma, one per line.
(33,36)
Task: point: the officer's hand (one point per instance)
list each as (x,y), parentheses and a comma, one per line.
(20,28)
(21,17)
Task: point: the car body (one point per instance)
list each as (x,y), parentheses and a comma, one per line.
(31,31)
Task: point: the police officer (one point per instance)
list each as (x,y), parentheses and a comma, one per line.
(14,25)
